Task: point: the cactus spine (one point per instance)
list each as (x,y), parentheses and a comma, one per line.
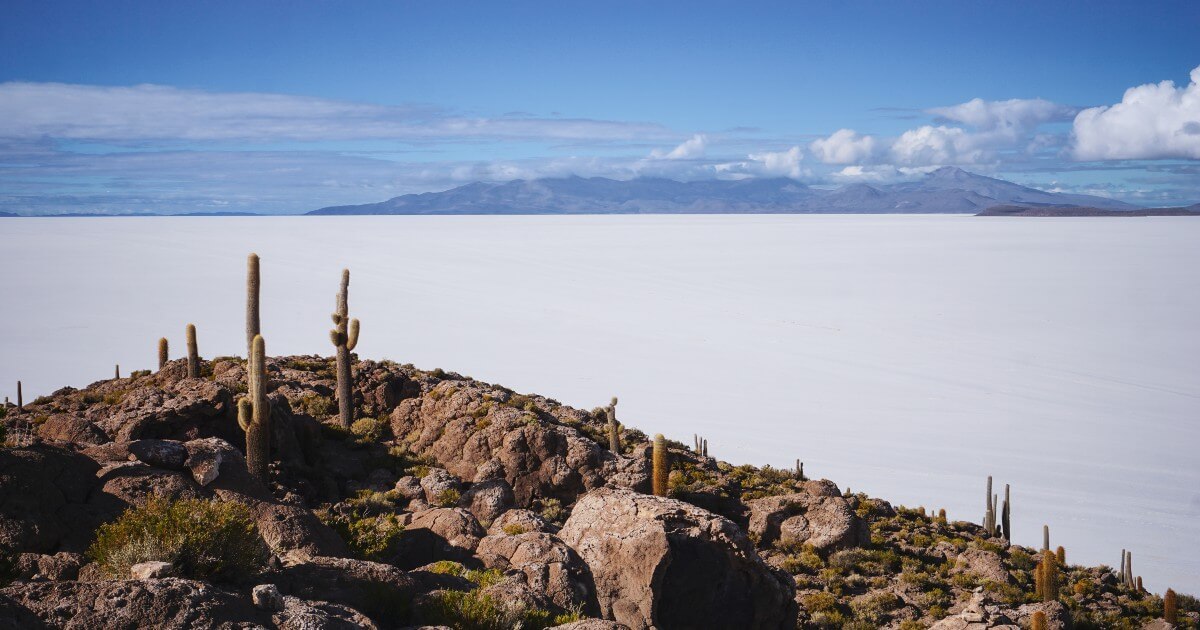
(344,338)
(193,364)
(614,435)
(163,353)
(252,286)
(254,412)
(1170,607)
(662,467)
(1039,621)
(1006,515)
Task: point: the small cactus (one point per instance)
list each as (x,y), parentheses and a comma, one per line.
(614,433)
(20,398)
(117,371)
(941,517)
(1045,538)
(1039,621)
(1046,577)
(1170,607)
(163,353)
(704,445)
(1128,576)
(989,512)
(1060,554)
(1140,588)
(193,358)
(254,412)
(344,337)
(662,466)
(252,286)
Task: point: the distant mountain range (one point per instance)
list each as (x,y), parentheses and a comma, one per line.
(946,190)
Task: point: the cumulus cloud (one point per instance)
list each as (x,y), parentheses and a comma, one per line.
(1152,122)
(1013,118)
(766,164)
(845,146)
(878,174)
(689,149)
(929,145)
(145,113)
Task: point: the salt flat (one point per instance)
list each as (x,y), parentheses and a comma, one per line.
(905,356)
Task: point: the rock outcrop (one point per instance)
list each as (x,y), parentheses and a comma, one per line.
(659,562)
(819,516)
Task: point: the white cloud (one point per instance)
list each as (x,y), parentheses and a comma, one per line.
(766,164)
(689,149)
(929,145)
(1152,122)
(882,173)
(845,146)
(1013,118)
(144,113)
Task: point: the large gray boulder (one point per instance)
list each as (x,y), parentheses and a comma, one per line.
(662,563)
(546,564)
(818,516)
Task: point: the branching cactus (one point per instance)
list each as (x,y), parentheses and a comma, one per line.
(344,337)
(193,364)
(163,353)
(614,433)
(252,286)
(662,465)
(254,412)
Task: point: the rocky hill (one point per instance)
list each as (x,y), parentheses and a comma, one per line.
(1085,211)
(948,189)
(452,502)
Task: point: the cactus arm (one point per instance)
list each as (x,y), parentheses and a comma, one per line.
(244,409)
(352,338)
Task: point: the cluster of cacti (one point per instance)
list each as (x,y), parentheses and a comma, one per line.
(1046,577)
(800,470)
(193,350)
(254,412)
(614,430)
(163,353)
(992,509)
(700,446)
(344,337)
(661,466)
(1127,569)
(1170,607)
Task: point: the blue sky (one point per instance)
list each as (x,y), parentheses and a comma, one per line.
(286,106)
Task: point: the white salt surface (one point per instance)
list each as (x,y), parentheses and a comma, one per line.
(905,356)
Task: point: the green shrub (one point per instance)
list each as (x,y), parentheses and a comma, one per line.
(371,430)
(475,610)
(316,405)
(447,498)
(514,529)
(552,510)
(206,540)
(820,602)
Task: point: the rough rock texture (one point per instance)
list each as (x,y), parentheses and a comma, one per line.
(439,534)
(70,428)
(134,604)
(376,589)
(983,564)
(487,500)
(980,613)
(659,562)
(592,624)
(547,565)
(818,517)
(437,483)
(46,500)
(466,427)
(518,521)
(60,566)
(151,570)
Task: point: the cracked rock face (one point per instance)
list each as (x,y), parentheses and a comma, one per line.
(662,563)
(547,565)
(818,517)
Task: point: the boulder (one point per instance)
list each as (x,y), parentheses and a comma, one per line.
(60,566)
(167,454)
(985,565)
(437,483)
(820,517)
(70,428)
(183,410)
(518,522)
(379,590)
(658,562)
(410,488)
(487,499)
(299,614)
(151,570)
(131,604)
(439,534)
(546,564)
(267,597)
(44,500)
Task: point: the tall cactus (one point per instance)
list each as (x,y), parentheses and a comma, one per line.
(344,337)
(1046,577)
(117,371)
(1128,577)
(1171,607)
(1006,514)
(252,287)
(614,434)
(989,515)
(1045,538)
(1039,621)
(254,412)
(193,359)
(163,353)
(1060,554)
(662,467)
(20,398)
